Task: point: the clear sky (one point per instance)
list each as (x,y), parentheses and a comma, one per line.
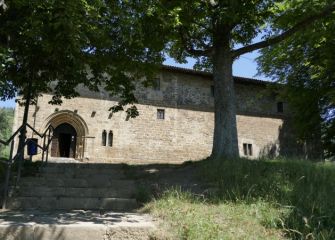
(245,66)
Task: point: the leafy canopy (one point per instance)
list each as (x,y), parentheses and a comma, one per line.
(96,43)
(198,27)
(306,65)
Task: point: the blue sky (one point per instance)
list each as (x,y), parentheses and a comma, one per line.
(245,66)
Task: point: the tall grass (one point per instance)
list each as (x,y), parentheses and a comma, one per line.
(188,217)
(306,189)
(244,199)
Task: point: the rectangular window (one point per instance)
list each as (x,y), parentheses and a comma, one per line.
(280,107)
(250,149)
(212,91)
(157,84)
(160,114)
(247,149)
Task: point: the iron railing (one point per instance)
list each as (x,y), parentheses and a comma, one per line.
(18,158)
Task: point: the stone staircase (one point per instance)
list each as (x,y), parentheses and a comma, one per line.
(75,186)
(76,201)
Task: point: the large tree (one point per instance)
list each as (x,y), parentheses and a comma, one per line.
(218,32)
(52,46)
(74,42)
(305,66)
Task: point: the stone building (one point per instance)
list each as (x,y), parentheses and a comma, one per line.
(175,124)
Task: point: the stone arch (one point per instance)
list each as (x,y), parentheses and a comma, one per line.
(76,121)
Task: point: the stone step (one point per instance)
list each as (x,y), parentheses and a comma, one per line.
(84,171)
(86,166)
(99,192)
(95,181)
(76,225)
(69,174)
(69,186)
(72,203)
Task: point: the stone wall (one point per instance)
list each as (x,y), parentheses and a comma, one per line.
(186,132)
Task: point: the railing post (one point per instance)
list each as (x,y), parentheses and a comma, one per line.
(9,166)
(43,151)
(47,150)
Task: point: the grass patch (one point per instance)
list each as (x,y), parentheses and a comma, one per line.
(268,199)
(193,218)
(308,189)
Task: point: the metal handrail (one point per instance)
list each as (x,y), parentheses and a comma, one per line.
(47,138)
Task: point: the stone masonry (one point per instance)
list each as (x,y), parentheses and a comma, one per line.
(185,133)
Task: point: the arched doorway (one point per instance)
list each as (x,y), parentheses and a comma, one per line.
(64,141)
(76,126)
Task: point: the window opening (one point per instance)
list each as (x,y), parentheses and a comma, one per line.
(104,138)
(160,114)
(110,139)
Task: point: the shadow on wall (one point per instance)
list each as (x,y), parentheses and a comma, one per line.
(289,145)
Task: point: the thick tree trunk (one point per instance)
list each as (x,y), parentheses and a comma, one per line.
(225,143)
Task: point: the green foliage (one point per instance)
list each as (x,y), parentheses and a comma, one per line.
(199,25)
(76,42)
(246,199)
(6,123)
(199,28)
(304,191)
(305,64)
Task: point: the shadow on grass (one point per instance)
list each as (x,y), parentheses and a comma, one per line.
(306,189)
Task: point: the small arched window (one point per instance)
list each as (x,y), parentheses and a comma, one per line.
(110,139)
(104,138)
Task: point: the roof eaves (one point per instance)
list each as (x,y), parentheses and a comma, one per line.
(208,74)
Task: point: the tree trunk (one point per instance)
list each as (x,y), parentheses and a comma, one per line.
(225,144)
(22,137)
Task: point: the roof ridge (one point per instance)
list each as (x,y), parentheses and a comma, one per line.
(204,73)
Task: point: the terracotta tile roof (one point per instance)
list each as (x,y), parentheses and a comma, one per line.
(209,75)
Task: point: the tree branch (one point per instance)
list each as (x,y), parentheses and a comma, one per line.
(299,26)
(190,49)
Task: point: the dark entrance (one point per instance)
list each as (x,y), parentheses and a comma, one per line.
(64,144)
(64,141)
